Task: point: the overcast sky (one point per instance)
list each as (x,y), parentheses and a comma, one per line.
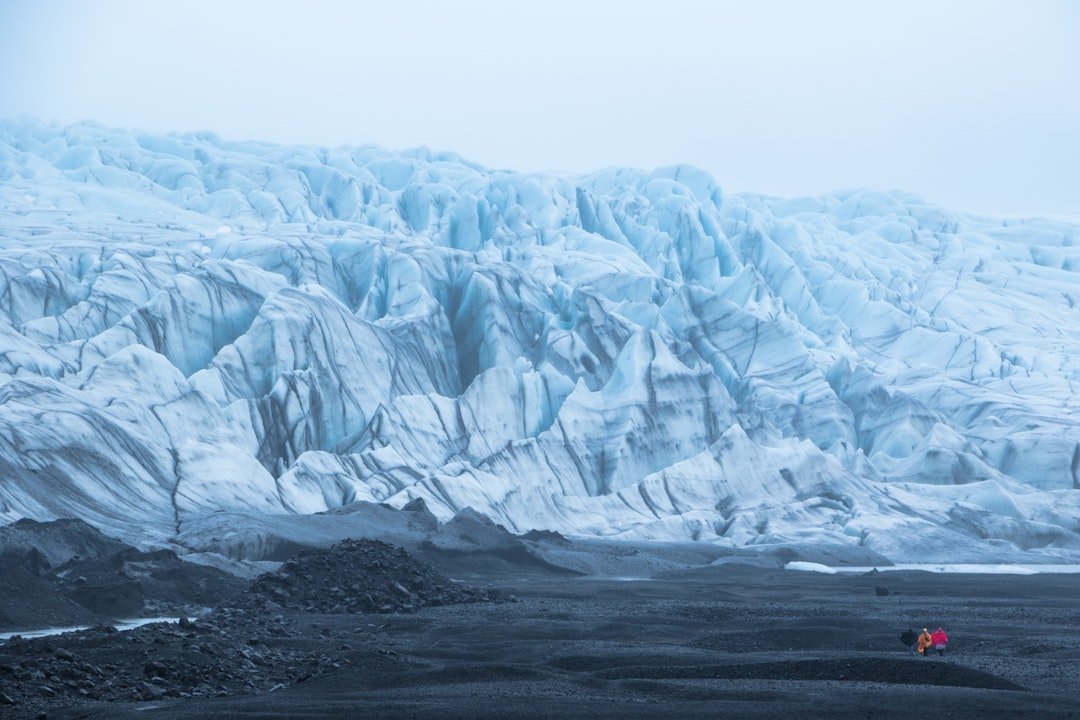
(972,104)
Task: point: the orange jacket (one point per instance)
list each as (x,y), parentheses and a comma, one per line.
(924,641)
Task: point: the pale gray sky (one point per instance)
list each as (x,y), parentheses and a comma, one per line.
(974,104)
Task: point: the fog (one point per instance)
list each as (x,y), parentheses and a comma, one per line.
(975,105)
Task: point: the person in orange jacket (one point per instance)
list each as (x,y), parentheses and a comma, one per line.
(925,641)
(939,640)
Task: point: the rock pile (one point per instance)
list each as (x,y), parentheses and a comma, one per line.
(358,576)
(230,652)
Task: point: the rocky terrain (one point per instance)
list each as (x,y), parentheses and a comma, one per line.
(257,641)
(729,640)
(544,626)
(225,653)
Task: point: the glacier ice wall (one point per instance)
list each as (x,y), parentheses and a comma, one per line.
(189,324)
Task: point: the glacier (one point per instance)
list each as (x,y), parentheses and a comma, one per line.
(191,325)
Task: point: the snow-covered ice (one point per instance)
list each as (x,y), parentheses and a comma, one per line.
(803,566)
(968,568)
(189,324)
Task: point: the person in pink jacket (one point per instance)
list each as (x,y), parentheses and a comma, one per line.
(939,640)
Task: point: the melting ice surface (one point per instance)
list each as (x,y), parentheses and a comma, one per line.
(189,324)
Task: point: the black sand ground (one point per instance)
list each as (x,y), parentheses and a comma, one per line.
(718,642)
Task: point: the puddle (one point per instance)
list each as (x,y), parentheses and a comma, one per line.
(128,624)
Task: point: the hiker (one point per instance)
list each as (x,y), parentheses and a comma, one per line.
(939,640)
(909,638)
(925,641)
